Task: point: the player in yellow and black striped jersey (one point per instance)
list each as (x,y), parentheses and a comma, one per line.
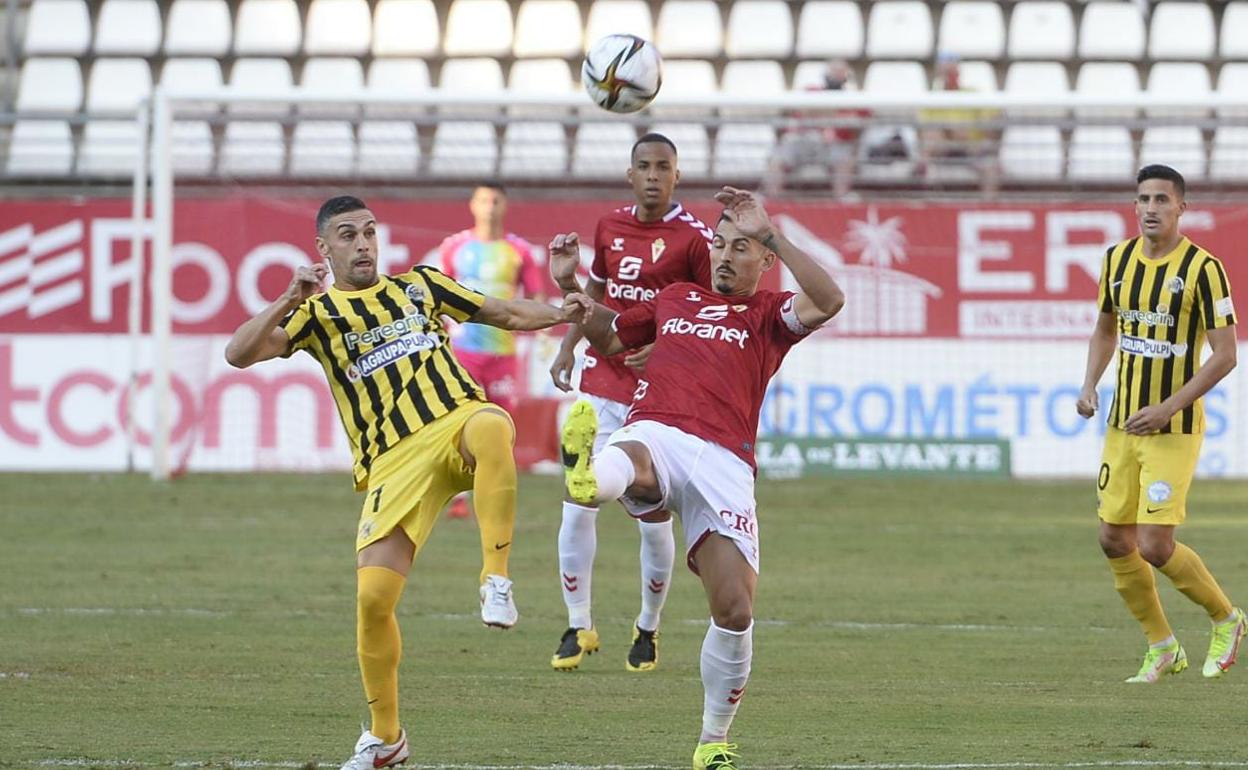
(1161,298)
(419,426)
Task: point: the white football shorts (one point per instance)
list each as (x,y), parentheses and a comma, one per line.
(708,487)
(611,417)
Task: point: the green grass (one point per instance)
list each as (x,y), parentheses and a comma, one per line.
(211,621)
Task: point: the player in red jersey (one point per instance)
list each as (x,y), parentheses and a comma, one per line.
(638,250)
(688,442)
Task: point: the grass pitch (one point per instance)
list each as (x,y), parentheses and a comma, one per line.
(210,622)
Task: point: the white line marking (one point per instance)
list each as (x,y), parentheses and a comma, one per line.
(1107,764)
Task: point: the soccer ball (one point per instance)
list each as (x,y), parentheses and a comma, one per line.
(622,73)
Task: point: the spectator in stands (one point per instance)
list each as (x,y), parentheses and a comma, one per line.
(958,136)
(805,143)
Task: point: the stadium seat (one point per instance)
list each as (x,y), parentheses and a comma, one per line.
(1031,152)
(628,17)
(463,149)
(1233,37)
(1229,158)
(256,148)
(600,150)
(689,28)
(534,150)
(540,77)
(110,147)
(322,148)
(899,29)
(1101,153)
(692,146)
(128,28)
(1181,30)
(45,147)
(334,76)
(895,77)
(267,28)
(754,78)
(1042,29)
(809,75)
(1233,81)
(548,28)
(972,29)
(260,76)
(681,78)
(830,28)
(1107,79)
(742,151)
(759,29)
(338,27)
(405,28)
(1111,30)
(192,139)
(395,78)
(478,28)
(471,76)
(388,148)
(978,76)
(1181,147)
(57,28)
(1040,79)
(1178,79)
(198,28)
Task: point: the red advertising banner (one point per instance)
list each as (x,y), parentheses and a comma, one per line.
(921,270)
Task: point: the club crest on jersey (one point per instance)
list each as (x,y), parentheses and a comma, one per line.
(656,249)
(1176,284)
(415,294)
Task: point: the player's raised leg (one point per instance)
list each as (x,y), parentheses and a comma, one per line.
(486,444)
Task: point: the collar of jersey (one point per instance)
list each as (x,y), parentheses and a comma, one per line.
(1175,253)
(334,291)
(672,213)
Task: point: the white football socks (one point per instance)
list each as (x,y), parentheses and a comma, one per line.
(658,552)
(614,471)
(726,659)
(578,541)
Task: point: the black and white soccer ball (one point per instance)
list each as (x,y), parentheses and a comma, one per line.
(622,73)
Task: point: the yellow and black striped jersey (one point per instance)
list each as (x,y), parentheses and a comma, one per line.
(387,356)
(1164,307)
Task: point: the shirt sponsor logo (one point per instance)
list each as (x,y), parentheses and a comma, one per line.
(713,313)
(706,331)
(1139,346)
(1161,317)
(630,292)
(390,352)
(409,324)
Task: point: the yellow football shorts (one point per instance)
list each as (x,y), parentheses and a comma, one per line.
(410,483)
(1144,479)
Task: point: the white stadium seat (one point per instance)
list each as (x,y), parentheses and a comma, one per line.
(198,28)
(1233,81)
(267,28)
(742,151)
(1180,147)
(479,75)
(895,77)
(322,148)
(388,148)
(338,27)
(972,29)
(1107,79)
(256,148)
(260,76)
(1040,79)
(57,27)
(1042,29)
(1031,152)
(534,150)
(463,149)
(336,76)
(752,78)
(192,139)
(830,28)
(689,28)
(759,29)
(809,75)
(601,150)
(1101,153)
(548,28)
(1229,158)
(1181,30)
(128,27)
(1111,30)
(692,147)
(110,147)
(978,76)
(544,77)
(1233,37)
(405,28)
(478,28)
(1178,79)
(684,77)
(899,29)
(625,17)
(45,147)
(50,85)
(395,78)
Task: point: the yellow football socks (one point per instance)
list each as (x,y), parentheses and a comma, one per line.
(489,437)
(1133,577)
(379,646)
(1190,575)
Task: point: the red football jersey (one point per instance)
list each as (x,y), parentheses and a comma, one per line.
(635,260)
(712,359)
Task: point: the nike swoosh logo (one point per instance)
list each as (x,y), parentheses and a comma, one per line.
(385,761)
(501,546)
(1154,510)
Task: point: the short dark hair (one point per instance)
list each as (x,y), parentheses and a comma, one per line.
(331,208)
(490,184)
(651,138)
(1161,171)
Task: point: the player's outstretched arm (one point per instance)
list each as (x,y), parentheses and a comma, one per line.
(565,360)
(1100,351)
(599,329)
(261,338)
(819,298)
(526,315)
